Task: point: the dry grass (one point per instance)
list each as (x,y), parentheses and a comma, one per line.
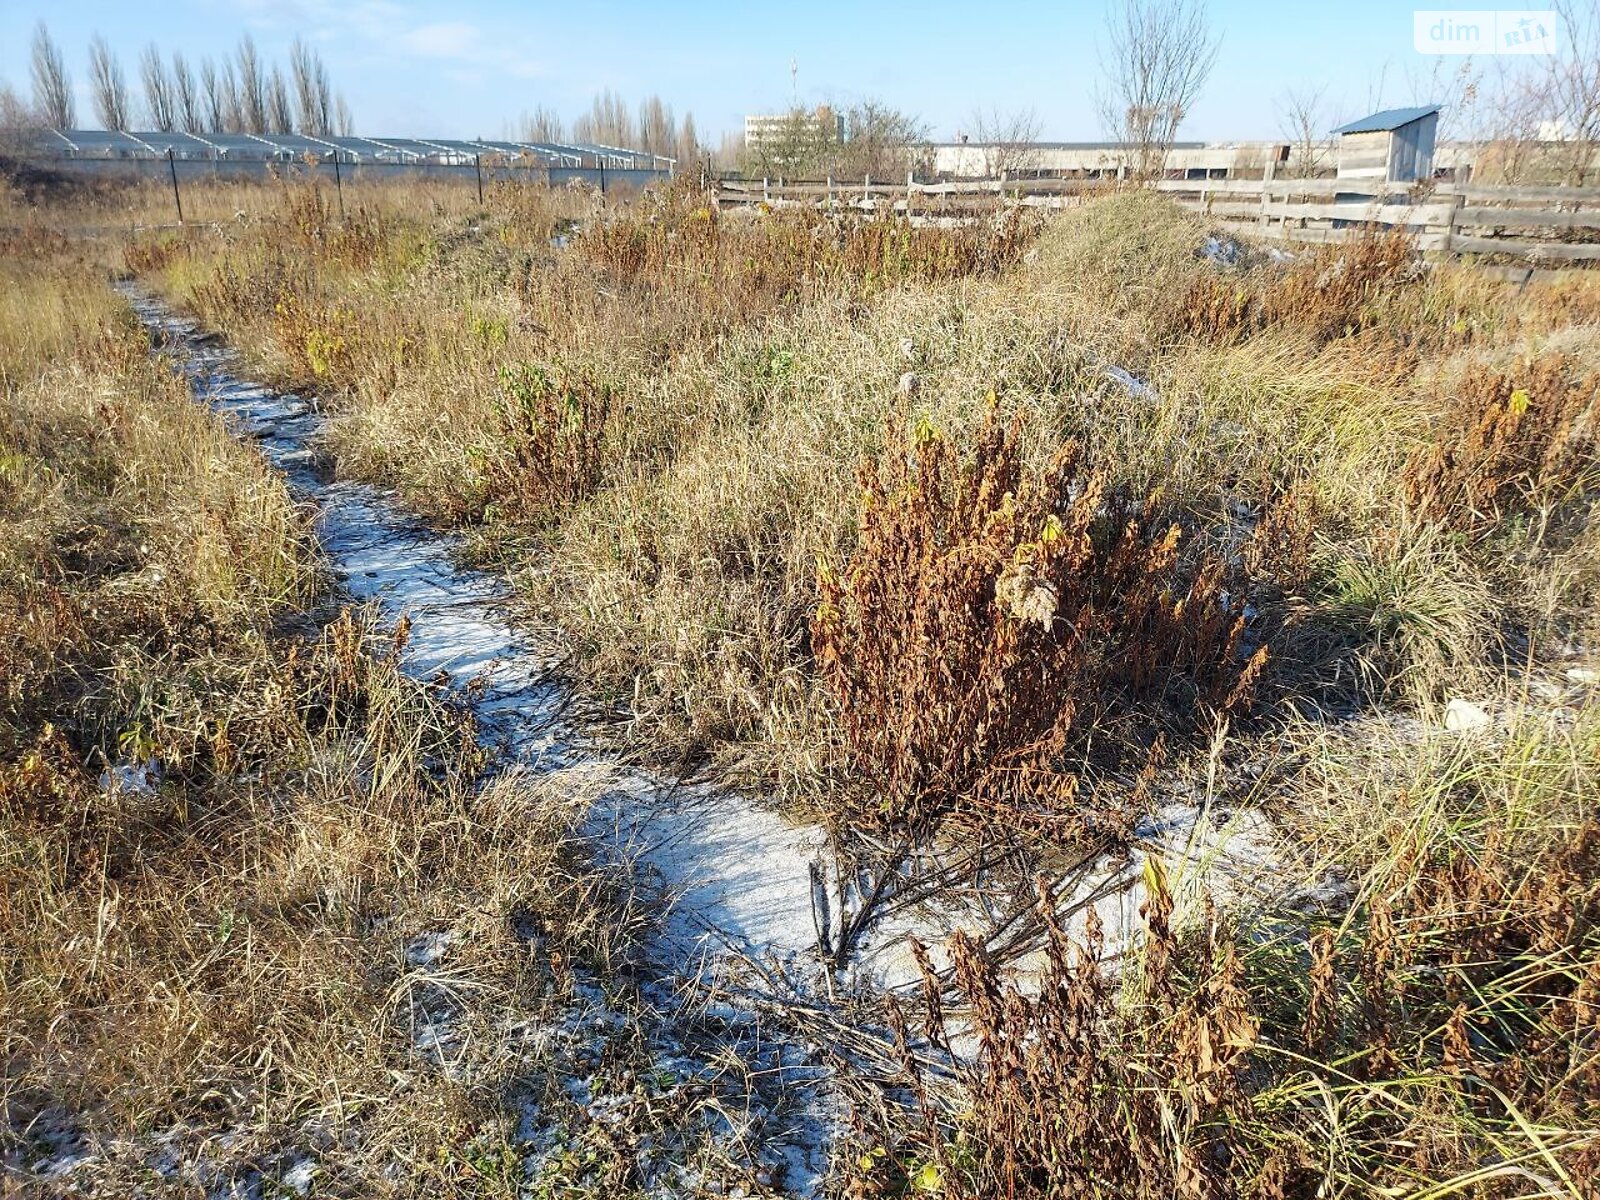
(222,828)
(743,360)
(659,431)
(1440,1036)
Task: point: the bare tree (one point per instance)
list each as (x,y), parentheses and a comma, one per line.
(252,87)
(1457,90)
(342,118)
(542,125)
(159,100)
(1158,57)
(280,111)
(607,123)
(658,129)
(52,88)
(1541,118)
(879,140)
(1572,90)
(731,152)
(15,114)
(186,102)
(1303,119)
(688,151)
(313,94)
(1004,139)
(213,105)
(108,84)
(302,69)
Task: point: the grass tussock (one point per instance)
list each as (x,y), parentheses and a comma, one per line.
(224,822)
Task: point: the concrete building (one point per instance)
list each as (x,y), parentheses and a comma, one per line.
(1395,145)
(1100,160)
(822,125)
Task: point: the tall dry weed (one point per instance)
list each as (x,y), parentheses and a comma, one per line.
(1510,441)
(991,627)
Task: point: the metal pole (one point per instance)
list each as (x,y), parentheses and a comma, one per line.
(602,177)
(338,184)
(477,165)
(172,166)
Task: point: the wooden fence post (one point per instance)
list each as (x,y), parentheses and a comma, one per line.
(1456,203)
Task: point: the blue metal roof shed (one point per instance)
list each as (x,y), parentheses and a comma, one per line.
(1394,145)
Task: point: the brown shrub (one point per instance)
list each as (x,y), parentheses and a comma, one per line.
(1455,1011)
(356,238)
(677,240)
(990,625)
(1510,440)
(1331,290)
(1087,1088)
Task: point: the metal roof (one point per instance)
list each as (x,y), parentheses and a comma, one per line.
(1389,118)
(291,147)
(975,144)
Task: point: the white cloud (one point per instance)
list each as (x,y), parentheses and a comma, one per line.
(447,39)
(393,29)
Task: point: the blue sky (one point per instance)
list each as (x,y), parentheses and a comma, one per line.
(468,67)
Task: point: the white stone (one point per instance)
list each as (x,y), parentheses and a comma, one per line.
(1463,716)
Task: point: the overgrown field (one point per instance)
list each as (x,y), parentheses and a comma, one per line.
(1000,536)
(248,870)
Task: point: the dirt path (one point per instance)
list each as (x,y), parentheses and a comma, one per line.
(731,878)
(733,872)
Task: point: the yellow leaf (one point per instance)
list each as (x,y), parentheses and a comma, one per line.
(929,1178)
(1155,877)
(1520,401)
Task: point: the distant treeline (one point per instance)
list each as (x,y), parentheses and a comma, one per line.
(241,93)
(610,121)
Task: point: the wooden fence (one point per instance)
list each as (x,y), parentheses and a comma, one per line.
(1550,225)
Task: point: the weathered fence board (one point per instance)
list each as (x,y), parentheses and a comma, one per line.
(1445,219)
